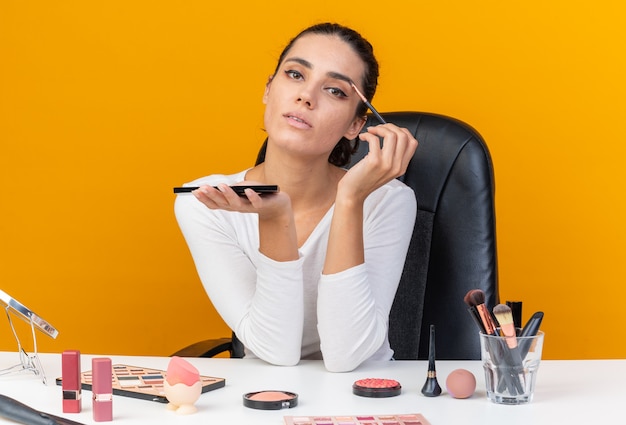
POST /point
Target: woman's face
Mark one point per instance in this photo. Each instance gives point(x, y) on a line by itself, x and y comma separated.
point(310, 104)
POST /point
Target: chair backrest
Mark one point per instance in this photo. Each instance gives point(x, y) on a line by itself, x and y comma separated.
point(453, 246)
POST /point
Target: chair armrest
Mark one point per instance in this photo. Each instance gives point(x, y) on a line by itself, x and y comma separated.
point(206, 348)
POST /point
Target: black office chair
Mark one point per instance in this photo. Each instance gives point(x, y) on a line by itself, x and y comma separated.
point(452, 250)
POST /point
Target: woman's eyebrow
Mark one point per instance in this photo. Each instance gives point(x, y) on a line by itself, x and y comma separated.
point(339, 76)
point(331, 74)
point(305, 63)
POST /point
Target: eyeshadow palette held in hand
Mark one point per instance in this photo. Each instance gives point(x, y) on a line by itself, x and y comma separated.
point(239, 190)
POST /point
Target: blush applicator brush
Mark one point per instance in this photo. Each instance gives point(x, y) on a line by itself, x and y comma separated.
point(476, 298)
point(474, 312)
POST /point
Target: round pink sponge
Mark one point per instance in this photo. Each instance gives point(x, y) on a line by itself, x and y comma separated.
point(180, 370)
point(461, 383)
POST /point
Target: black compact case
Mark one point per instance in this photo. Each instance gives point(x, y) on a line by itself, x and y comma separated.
point(274, 400)
point(376, 388)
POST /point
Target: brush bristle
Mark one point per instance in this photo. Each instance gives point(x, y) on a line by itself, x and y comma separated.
point(358, 92)
point(466, 298)
point(503, 314)
point(475, 297)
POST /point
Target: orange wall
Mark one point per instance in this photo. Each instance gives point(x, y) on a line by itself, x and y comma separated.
point(105, 106)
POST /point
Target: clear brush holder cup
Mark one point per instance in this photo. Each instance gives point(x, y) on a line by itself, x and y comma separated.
point(511, 366)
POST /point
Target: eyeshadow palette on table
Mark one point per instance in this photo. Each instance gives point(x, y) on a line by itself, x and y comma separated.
point(143, 383)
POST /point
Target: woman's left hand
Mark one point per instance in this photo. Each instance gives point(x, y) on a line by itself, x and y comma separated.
point(381, 164)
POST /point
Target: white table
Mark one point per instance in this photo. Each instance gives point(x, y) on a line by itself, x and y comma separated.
point(567, 392)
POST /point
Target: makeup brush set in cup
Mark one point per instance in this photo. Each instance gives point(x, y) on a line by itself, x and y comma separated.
point(510, 353)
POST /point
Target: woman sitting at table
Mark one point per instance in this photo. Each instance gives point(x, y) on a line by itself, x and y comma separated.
point(310, 272)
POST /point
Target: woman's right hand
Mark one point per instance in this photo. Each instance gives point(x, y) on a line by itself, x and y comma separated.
point(277, 231)
point(224, 198)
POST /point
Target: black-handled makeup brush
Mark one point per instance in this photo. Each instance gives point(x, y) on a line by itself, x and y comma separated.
point(476, 298)
point(431, 387)
point(516, 311)
point(531, 328)
point(473, 311)
point(21, 413)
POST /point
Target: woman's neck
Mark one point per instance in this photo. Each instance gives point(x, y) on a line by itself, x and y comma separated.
point(308, 183)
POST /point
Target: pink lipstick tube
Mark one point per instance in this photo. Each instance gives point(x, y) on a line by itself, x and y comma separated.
point(70, 383)
point(102, 388)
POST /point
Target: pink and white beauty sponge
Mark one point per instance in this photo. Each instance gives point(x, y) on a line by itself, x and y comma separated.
point(180, 371)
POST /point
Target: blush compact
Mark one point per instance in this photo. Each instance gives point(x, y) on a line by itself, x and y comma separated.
point(270, 400)
point(376, 387)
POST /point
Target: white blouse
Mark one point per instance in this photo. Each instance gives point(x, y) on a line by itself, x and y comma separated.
point(286, 311)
